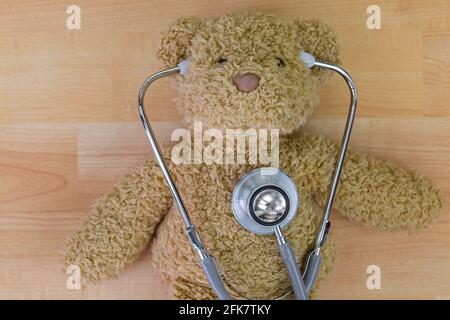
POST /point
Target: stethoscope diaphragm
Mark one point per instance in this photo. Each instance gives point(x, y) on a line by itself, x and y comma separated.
point(264, 198)
point(269, 205)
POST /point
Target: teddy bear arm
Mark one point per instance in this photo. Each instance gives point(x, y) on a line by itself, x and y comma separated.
point(120, 224)
point(383, 195)
point(376, 193)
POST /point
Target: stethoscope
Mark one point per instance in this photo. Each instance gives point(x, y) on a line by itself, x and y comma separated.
point(265, 200)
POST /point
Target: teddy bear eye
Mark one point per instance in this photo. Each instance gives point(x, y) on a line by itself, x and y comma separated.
point(280, 62)
point(222, 60)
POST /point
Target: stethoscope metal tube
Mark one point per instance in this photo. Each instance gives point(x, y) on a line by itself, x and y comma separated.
point(206, 261)
point(190, 228)
point(325, 224)
point(301, 284)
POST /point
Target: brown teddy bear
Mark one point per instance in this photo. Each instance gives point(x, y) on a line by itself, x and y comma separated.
point(244, 72)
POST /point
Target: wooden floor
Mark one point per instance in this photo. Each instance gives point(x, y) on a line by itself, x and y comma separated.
point(69, 129)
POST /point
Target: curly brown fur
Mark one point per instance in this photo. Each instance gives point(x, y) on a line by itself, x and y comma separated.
point(249, 43)
point(120, 225)
point(373, 192)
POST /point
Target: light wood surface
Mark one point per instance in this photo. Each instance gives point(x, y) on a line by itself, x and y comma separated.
point(69, 129)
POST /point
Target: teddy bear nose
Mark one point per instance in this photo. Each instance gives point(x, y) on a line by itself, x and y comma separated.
point(246, 82)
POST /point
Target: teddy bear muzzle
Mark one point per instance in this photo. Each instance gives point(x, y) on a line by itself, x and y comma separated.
point(246, 82)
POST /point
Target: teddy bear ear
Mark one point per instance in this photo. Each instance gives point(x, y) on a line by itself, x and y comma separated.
point(320, 41)
point(176, 40)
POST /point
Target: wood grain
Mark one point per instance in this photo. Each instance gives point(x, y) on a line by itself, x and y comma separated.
point(69, 129)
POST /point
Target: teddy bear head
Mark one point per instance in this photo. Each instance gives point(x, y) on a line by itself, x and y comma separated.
point(243, 70)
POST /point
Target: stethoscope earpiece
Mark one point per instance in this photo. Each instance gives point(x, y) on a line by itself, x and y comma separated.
point(265, 200)
point(307, 59)
point(183, 66)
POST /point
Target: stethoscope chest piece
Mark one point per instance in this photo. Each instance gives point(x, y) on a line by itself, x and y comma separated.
point(264, 199)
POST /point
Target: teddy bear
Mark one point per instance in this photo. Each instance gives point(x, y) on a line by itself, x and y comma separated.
point(244, 72)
